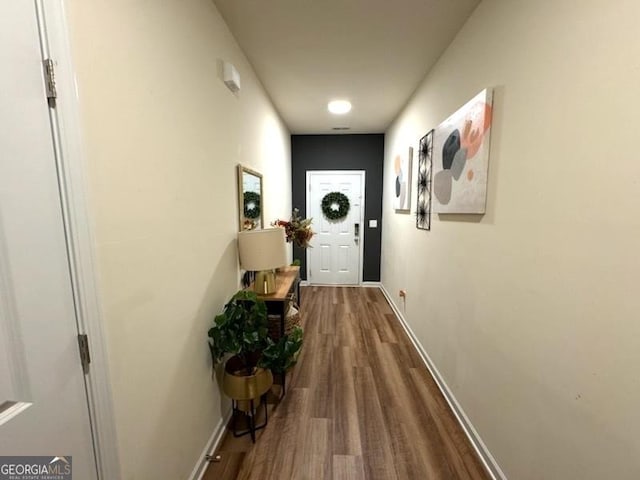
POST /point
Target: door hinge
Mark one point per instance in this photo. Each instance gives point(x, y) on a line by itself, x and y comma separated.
point(50, 82)
point(85, 358)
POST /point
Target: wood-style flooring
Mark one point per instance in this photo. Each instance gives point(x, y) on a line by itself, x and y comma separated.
point(360, 404)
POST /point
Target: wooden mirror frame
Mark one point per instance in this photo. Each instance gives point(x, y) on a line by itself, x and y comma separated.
point(245, 223)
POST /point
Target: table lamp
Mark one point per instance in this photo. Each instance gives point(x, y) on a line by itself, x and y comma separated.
point(262, 251)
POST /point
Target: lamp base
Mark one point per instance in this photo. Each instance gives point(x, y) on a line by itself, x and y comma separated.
point(265, 283)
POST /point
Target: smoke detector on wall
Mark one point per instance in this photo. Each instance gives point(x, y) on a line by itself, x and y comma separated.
point(231, 77)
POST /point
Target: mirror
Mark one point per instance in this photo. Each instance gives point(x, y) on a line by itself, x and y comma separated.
point(249, 199)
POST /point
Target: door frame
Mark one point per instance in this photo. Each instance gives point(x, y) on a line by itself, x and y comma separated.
point(362, 174)
point(71, 158)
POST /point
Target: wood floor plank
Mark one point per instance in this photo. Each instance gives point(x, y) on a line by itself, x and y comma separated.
point(456, 450)
point(346, 428)
point(377, 455)
point(355, 340)
point(348, 467)
point(360, 404)
point(415, 436)
point(315, 459)
point(323, 374)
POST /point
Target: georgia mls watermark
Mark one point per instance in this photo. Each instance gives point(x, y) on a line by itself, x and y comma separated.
point(35, 468)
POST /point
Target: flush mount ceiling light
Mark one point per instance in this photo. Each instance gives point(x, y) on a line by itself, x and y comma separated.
point(339, 107)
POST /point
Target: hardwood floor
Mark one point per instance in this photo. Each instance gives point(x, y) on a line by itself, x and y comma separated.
point(360, 404)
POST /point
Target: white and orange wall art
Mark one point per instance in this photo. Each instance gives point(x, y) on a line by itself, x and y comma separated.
point(402, 181)
point(461, 158)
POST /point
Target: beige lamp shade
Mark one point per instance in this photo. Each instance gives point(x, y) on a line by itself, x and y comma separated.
point(262, 249)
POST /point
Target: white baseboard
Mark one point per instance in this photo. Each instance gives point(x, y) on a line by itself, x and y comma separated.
point(487, 459)
point(210, 448)
point(305, 283)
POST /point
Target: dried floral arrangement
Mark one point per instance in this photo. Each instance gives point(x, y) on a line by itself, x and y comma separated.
point(297, 229)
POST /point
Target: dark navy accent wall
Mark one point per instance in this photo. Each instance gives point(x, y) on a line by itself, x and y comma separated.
point(343, 152)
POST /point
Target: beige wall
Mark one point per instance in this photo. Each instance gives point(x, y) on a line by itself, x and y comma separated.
point(163, 137)
point(530, 312)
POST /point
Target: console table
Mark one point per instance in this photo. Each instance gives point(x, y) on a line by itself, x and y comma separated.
point(287, 291)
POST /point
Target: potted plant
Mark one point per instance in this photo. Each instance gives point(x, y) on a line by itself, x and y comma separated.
point(240, 336)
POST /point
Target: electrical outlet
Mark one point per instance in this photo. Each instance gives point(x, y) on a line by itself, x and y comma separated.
point(403, 294)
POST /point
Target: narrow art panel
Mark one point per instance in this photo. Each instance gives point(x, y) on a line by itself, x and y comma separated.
point(425, 162)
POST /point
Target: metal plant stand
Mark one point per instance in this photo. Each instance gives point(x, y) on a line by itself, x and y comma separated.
point(251, 418)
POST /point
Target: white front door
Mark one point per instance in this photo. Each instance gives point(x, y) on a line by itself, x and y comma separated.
point(336, 256)
point(43, 401)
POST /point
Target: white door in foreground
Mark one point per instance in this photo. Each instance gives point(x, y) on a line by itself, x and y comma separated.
point(43, 401)
point(336, 256)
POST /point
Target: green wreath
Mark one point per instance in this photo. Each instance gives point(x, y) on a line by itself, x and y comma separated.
point(329, 203)
point(251, 205)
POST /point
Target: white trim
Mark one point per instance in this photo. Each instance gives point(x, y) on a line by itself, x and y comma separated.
point(212, 445)
point(14, 363)
point(81, 244)
point(304, 283)
point(13, 411)
point(363, 184)
point(481, 449)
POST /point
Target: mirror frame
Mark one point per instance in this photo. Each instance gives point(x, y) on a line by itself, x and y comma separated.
point(241, 218)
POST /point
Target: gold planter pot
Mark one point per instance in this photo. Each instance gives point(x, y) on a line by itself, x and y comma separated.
point(243, 388)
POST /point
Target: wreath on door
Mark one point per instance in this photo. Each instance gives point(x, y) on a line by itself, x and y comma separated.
point(335, 205)
point(251, 205)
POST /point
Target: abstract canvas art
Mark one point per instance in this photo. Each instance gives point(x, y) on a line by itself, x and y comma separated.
point(402, 181)
point(423, 206)
point(461, 158)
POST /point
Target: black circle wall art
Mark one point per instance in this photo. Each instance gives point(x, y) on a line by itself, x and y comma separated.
point(450, 148)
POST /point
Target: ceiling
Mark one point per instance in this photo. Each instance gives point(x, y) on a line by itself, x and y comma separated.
point(372, 52)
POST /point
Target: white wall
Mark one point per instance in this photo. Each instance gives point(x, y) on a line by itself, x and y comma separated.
point(530, 312)
point(163, 138)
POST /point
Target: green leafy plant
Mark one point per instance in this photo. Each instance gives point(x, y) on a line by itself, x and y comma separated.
point(241, 330)
point(282, 355)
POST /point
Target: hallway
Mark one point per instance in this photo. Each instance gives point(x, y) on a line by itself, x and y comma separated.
point(360, 404)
